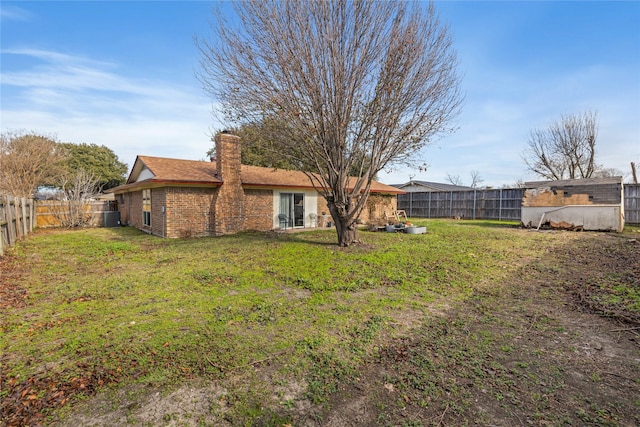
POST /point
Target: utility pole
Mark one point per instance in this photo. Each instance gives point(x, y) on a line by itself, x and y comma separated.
point(633, 172)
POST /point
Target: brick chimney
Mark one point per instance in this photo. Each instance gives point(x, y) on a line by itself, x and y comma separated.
point(229, 202)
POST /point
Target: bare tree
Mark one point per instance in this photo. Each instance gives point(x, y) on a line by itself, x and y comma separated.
point(607, 173)
point(349, 77)
point(27, 160)
point(518, 184)
point(78, 188)
point(564, 150)
point(453, 179)
point(476, 179)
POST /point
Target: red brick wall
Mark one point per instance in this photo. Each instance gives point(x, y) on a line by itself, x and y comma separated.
point(377, 208)
point(124, 207)
point(229, 203)
point(189, 211)
point(133, 209)
point(258, 210)
point(158, 197)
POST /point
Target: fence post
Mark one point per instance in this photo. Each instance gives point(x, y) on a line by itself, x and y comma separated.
point(25, 229)
point(32, 204)
point(16, 219)
point(11, 230)
point(411, 204)
point(451, 204)
point(29, 206)
point(474, 204)
point(2, 205)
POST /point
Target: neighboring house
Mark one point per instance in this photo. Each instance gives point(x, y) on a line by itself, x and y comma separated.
point(185, 198)
point(426, 187)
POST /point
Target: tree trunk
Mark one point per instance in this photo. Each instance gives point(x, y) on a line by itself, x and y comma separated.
point(347, 233)
point(345, 226)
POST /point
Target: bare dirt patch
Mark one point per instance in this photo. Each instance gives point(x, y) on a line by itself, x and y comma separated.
point(192, 404)
point(546, 348)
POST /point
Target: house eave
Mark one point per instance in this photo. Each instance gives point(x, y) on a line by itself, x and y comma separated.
point(158, 183)
point(308, 187)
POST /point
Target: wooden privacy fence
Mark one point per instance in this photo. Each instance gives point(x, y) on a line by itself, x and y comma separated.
point(56, 213)
point(500, 204)
point(632, 203)
point(17, 219)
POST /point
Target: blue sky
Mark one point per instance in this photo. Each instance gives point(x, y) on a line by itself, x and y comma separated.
point(121, 74)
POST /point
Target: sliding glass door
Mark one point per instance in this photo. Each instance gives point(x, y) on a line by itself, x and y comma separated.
point(292, 206)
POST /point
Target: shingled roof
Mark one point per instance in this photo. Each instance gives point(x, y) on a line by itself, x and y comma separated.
point(166, 171)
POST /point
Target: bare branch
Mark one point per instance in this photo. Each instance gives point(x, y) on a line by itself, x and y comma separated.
point(453, 179)
point(27, 161)
point(476, 179)
point(566, 149)
point(348, 77)
point(78, 188)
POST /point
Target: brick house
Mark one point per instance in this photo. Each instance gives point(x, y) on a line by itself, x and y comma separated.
point(186, 198)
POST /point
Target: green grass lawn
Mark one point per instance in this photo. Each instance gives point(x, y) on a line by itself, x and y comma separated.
point(107, 308)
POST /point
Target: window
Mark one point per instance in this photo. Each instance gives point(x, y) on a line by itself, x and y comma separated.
point(146, 208)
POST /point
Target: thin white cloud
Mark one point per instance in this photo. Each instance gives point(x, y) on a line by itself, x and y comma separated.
point(15, 13)
point(73, 73)
point(83, 100)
